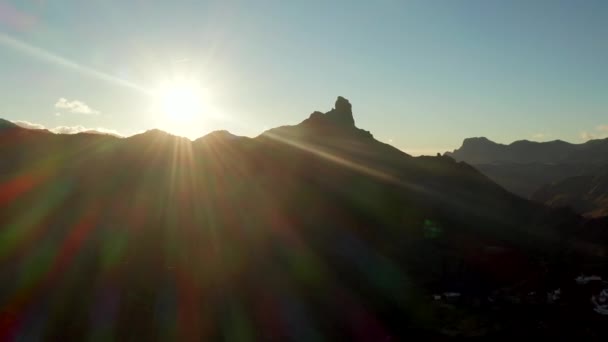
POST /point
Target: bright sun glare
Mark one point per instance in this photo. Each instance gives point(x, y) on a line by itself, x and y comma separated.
point(181, 101)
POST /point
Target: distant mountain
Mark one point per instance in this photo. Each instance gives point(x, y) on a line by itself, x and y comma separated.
point(94, 131)
point(524, 167)
point(218, 137)
point(313, 231)
point(524, 179)
point(587, 193)
point(483, 151)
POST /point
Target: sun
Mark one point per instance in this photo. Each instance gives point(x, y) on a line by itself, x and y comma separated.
point(180, 101)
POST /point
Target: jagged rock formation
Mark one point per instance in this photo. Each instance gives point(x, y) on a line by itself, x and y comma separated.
point(341, 114)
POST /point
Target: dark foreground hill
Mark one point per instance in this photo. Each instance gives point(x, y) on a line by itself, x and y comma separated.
point(309, 232)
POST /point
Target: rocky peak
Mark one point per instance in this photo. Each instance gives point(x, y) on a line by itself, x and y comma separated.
point(477, 141)
point(341, 114)
point(338, 121)
point(342, 105)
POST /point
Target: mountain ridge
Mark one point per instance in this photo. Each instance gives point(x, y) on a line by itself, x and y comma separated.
point(319, 213)
point(481, 150)
point(586, 193)
point(524, 167)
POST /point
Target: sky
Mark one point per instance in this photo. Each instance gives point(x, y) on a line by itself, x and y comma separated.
point(421, 75)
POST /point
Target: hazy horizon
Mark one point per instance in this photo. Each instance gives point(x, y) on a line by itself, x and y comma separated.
point(101, 130)
point(421, 75)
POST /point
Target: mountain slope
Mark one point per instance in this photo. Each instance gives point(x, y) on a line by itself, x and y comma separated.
point(523, 167)
point(587, 193)
point(310, 231)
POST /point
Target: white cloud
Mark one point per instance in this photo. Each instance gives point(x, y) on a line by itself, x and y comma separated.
point(75, 106)
point(600, 132)
point(81, 129)
point(68, 129)
point(585, 136)
point(541, 136)
point(602, 128)
point(28, 125)
point(101, 130)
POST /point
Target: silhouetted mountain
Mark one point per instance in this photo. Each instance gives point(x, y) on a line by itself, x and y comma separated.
point(94, 131)
point(5, 124)
point(317, 225)
point(220, 135)
point(525, 179)
point(523, 167)
point(484, 151)
point(217, 137)
point(587, 194)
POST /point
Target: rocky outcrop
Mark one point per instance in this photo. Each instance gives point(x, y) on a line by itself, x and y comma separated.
point(341, 114)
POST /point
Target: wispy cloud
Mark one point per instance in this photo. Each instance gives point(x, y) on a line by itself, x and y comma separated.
point(600, 132)
point(67, 129)
point(586, 136)
point(541, 136)
point(82, 129)
point(75, 106)
point(28, 125)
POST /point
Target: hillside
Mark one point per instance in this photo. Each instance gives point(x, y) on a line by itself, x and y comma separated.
point(317, 229)
point(525, 168)
point(587, 193)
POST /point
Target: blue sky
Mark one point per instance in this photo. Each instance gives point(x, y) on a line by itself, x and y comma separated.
point(422, 75)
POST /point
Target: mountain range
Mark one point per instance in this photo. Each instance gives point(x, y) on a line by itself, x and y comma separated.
point(586, 193)
point(556, 173)
point(484, 151)
point(312, 231)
